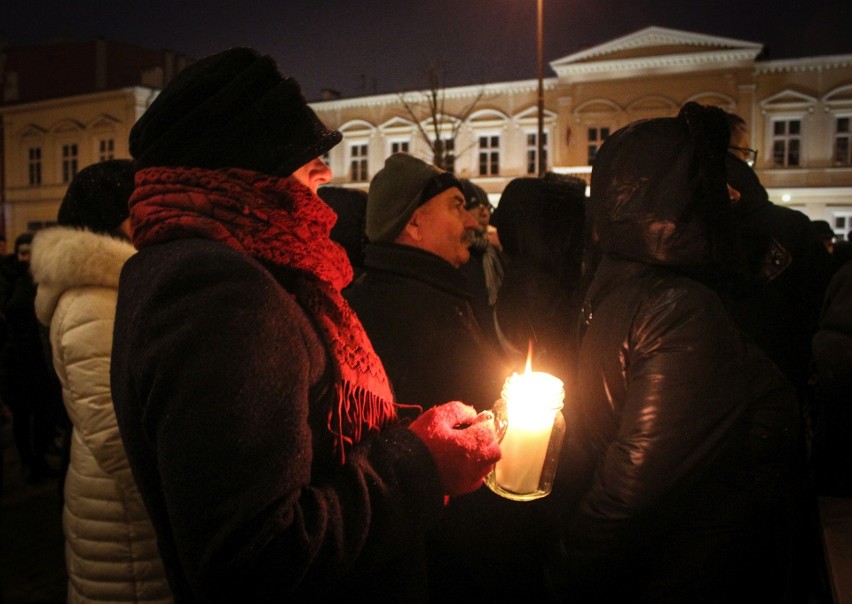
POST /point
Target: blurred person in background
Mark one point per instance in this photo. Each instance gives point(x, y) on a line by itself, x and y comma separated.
point(27, 383)
point(76, 266)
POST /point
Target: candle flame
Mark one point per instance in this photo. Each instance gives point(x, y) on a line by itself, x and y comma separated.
point(528, 368)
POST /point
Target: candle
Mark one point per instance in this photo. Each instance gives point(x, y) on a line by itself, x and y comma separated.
point(532, 401)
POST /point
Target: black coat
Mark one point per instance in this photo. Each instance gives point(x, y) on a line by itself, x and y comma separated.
point(416, 309)
point(832, 347)
point(788, 269)
point(681, 432)
point(222, 388)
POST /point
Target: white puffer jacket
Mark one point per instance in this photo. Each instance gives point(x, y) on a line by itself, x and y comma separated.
point(110, 546)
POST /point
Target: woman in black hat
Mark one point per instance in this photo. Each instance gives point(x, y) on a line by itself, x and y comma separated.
point(258, 420)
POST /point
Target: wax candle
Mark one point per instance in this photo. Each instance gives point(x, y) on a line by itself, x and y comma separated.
point(532, 400)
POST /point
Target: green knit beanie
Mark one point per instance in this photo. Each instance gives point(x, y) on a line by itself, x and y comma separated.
point(400, 187)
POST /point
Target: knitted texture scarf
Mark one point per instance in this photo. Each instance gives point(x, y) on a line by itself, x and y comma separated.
point(282, 222)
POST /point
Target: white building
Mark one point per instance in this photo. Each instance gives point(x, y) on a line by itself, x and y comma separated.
point(799, 112)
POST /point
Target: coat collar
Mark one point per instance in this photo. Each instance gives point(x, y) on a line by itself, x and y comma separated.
point(64, 258)
point(413, 263)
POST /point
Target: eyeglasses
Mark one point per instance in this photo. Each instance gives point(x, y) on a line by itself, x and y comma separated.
point(749, 156)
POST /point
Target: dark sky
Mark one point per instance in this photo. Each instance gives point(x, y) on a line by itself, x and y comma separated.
point(364, 46)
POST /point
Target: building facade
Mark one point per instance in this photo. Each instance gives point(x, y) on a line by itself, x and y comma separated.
point(799, 113)
point(66, 105)
point(48, 142)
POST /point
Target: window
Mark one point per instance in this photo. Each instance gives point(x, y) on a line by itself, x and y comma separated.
point(447, 148)
point(786, 142)
point(358, 163)
point(69, 162)
point(842, 142)
point(532, 151)
point(106, 149)
point(489, 155)
point(596, 138)
point(842, 225)
point(399, 147)
point(34, 164)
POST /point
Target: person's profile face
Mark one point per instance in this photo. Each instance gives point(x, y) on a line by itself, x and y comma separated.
point(313, 174)
point(443, 225)
point(23, 253)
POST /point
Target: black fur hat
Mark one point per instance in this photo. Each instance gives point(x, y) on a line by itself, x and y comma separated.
point(97, 197)
point(231, 109)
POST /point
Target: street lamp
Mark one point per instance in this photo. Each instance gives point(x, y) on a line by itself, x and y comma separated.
point(542, 164)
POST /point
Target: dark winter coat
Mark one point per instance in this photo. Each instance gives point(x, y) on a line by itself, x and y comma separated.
point(222, 388)
point(416, 309)
point(685, 427)
point(788, 269)
point(832, 348)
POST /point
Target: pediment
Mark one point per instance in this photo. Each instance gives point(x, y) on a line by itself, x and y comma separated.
point(104, 122)
point(657, 49)
point(67, 126)
point(839, 97)
point(788, 99)
point(397, 124)
point(530, 115)
point(597, 108)
point(487, 116)
point(653, 106)
point(356, 127)
point(444, 121)
point(32, 131)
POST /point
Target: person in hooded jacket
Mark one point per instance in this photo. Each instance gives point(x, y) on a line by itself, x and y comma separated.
point(541, 222)
point(110, 546)
point(682, 428)
point(257, 418)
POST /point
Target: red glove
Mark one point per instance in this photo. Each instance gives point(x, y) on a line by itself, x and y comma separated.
point(463, 444)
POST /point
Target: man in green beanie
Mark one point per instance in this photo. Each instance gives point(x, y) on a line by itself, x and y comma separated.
point(413, 300)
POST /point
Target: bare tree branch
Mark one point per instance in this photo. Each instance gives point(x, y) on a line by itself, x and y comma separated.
point(432, 107)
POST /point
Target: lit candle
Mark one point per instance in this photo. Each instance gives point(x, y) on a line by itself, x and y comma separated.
point(532, 401)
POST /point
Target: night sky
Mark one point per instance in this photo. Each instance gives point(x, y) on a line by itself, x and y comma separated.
point(361, 47)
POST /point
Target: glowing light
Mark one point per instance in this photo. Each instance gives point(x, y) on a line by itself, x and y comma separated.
point(532, 401)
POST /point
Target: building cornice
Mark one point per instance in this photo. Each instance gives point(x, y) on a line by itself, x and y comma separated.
point(139, 92)
point(804, 64)
point(619, 68)
point(455, 92)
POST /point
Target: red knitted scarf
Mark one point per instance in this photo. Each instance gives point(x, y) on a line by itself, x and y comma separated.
point(279, 221)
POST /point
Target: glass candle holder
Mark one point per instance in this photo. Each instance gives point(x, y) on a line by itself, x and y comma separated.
point(529, 422)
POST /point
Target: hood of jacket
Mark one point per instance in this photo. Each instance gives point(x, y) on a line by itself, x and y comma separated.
point(658, 190)
point(64, 258)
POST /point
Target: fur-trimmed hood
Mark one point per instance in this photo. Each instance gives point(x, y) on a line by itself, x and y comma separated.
point(65, 258)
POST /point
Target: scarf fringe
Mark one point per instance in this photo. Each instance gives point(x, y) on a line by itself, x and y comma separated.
point(349, 422)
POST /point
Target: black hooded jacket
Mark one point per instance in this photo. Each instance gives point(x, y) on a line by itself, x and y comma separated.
point(679, 429)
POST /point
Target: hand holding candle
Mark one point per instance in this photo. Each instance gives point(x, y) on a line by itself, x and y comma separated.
point(462, 443)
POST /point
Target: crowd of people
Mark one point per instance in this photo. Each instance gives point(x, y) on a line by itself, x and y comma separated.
point(271, 388)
